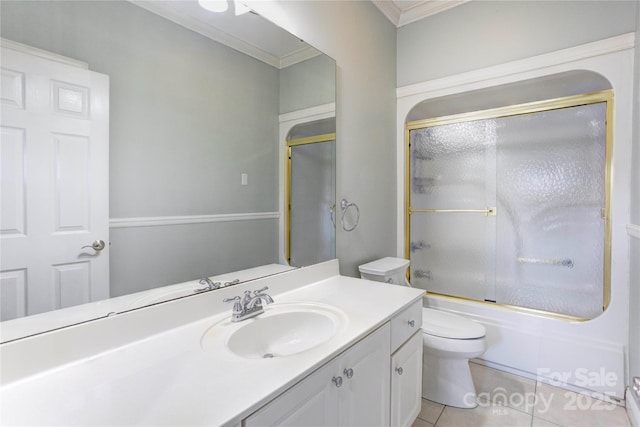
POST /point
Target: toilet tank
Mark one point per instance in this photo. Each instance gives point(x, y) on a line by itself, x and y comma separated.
point(388, 270)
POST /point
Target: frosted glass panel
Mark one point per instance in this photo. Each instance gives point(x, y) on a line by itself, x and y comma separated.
point(448, 165)
point(453, 169)
point(312, 195)
point(449, 254)
point(551, 187)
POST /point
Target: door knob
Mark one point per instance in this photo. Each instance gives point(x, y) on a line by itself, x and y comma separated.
point(97, 246)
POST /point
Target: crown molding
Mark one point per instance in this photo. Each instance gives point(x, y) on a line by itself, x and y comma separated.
point(426, 9)
point(389, 9)
point(400, 17)
point(298, 56)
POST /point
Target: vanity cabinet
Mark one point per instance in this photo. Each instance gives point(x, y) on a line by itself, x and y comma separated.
point(353, 389)
point(406, 382)
point(376, 382)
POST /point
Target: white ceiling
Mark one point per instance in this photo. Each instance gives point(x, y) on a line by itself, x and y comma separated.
point(255, 36)
point(403, 12)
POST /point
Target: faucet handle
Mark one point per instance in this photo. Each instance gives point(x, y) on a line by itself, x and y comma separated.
point(259, 291)
point(237, 307)
point(210, 285)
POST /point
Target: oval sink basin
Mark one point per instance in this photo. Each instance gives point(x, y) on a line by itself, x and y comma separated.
point(282, 330)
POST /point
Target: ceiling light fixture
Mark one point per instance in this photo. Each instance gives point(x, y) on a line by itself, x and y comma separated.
point(214, 5)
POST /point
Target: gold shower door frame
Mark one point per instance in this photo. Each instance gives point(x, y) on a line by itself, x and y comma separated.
point(287, 212)
point(605, 96)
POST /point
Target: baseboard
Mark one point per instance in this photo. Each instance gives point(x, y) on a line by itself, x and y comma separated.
point(633, 408)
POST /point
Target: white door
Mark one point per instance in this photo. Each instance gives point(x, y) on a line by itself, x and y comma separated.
point(54, 157)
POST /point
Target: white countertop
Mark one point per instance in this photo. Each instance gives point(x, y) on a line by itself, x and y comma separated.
point(117, 376)
point(42, 322)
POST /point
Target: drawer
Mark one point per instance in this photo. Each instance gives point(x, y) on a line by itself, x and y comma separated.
point(405, 324)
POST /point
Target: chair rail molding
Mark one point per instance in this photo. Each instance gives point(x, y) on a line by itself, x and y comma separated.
point(189, 219)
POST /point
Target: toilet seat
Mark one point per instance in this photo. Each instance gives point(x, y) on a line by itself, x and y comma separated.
point(454, 349)
point(451, 326)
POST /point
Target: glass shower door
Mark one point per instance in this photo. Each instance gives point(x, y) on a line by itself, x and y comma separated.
point(452, 229)
point(312, 203)
point(551, 199)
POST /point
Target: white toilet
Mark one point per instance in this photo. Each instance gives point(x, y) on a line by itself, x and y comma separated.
point(449, 342)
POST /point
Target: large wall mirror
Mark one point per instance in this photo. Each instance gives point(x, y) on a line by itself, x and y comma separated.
point(195, 166)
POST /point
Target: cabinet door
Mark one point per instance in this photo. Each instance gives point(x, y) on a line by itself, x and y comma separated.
point(364, 396)
point(406, 382)
point(311, 402)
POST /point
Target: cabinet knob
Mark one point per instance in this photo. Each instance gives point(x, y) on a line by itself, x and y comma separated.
point(399, 370)
point(348, 373)
point(337, 381)
point(412, 323)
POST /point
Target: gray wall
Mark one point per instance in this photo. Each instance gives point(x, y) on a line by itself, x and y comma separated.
point(634, 297)
point(308, 84)
point(188, 116)
point(483, 33)
point(362, 41)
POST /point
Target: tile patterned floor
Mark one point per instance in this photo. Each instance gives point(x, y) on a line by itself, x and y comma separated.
point(513, 401)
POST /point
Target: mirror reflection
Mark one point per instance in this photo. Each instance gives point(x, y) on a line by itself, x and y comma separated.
point(311, 189)
point(188, 182)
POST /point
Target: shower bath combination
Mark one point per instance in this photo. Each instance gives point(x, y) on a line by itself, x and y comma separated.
point(510, 205)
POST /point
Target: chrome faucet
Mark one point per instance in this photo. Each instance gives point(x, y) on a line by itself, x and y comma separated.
point(250, 305)
point(233, 282)
point(210, 285)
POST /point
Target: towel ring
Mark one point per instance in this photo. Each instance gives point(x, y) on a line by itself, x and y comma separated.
point(345, 205)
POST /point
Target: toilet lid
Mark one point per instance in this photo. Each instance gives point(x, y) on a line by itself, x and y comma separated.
point(449, 325)
point(388, 265)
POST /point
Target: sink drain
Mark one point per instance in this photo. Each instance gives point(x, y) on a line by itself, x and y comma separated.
point(267, 356)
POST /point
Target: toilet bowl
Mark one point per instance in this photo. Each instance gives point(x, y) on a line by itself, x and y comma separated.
point(449, 341)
